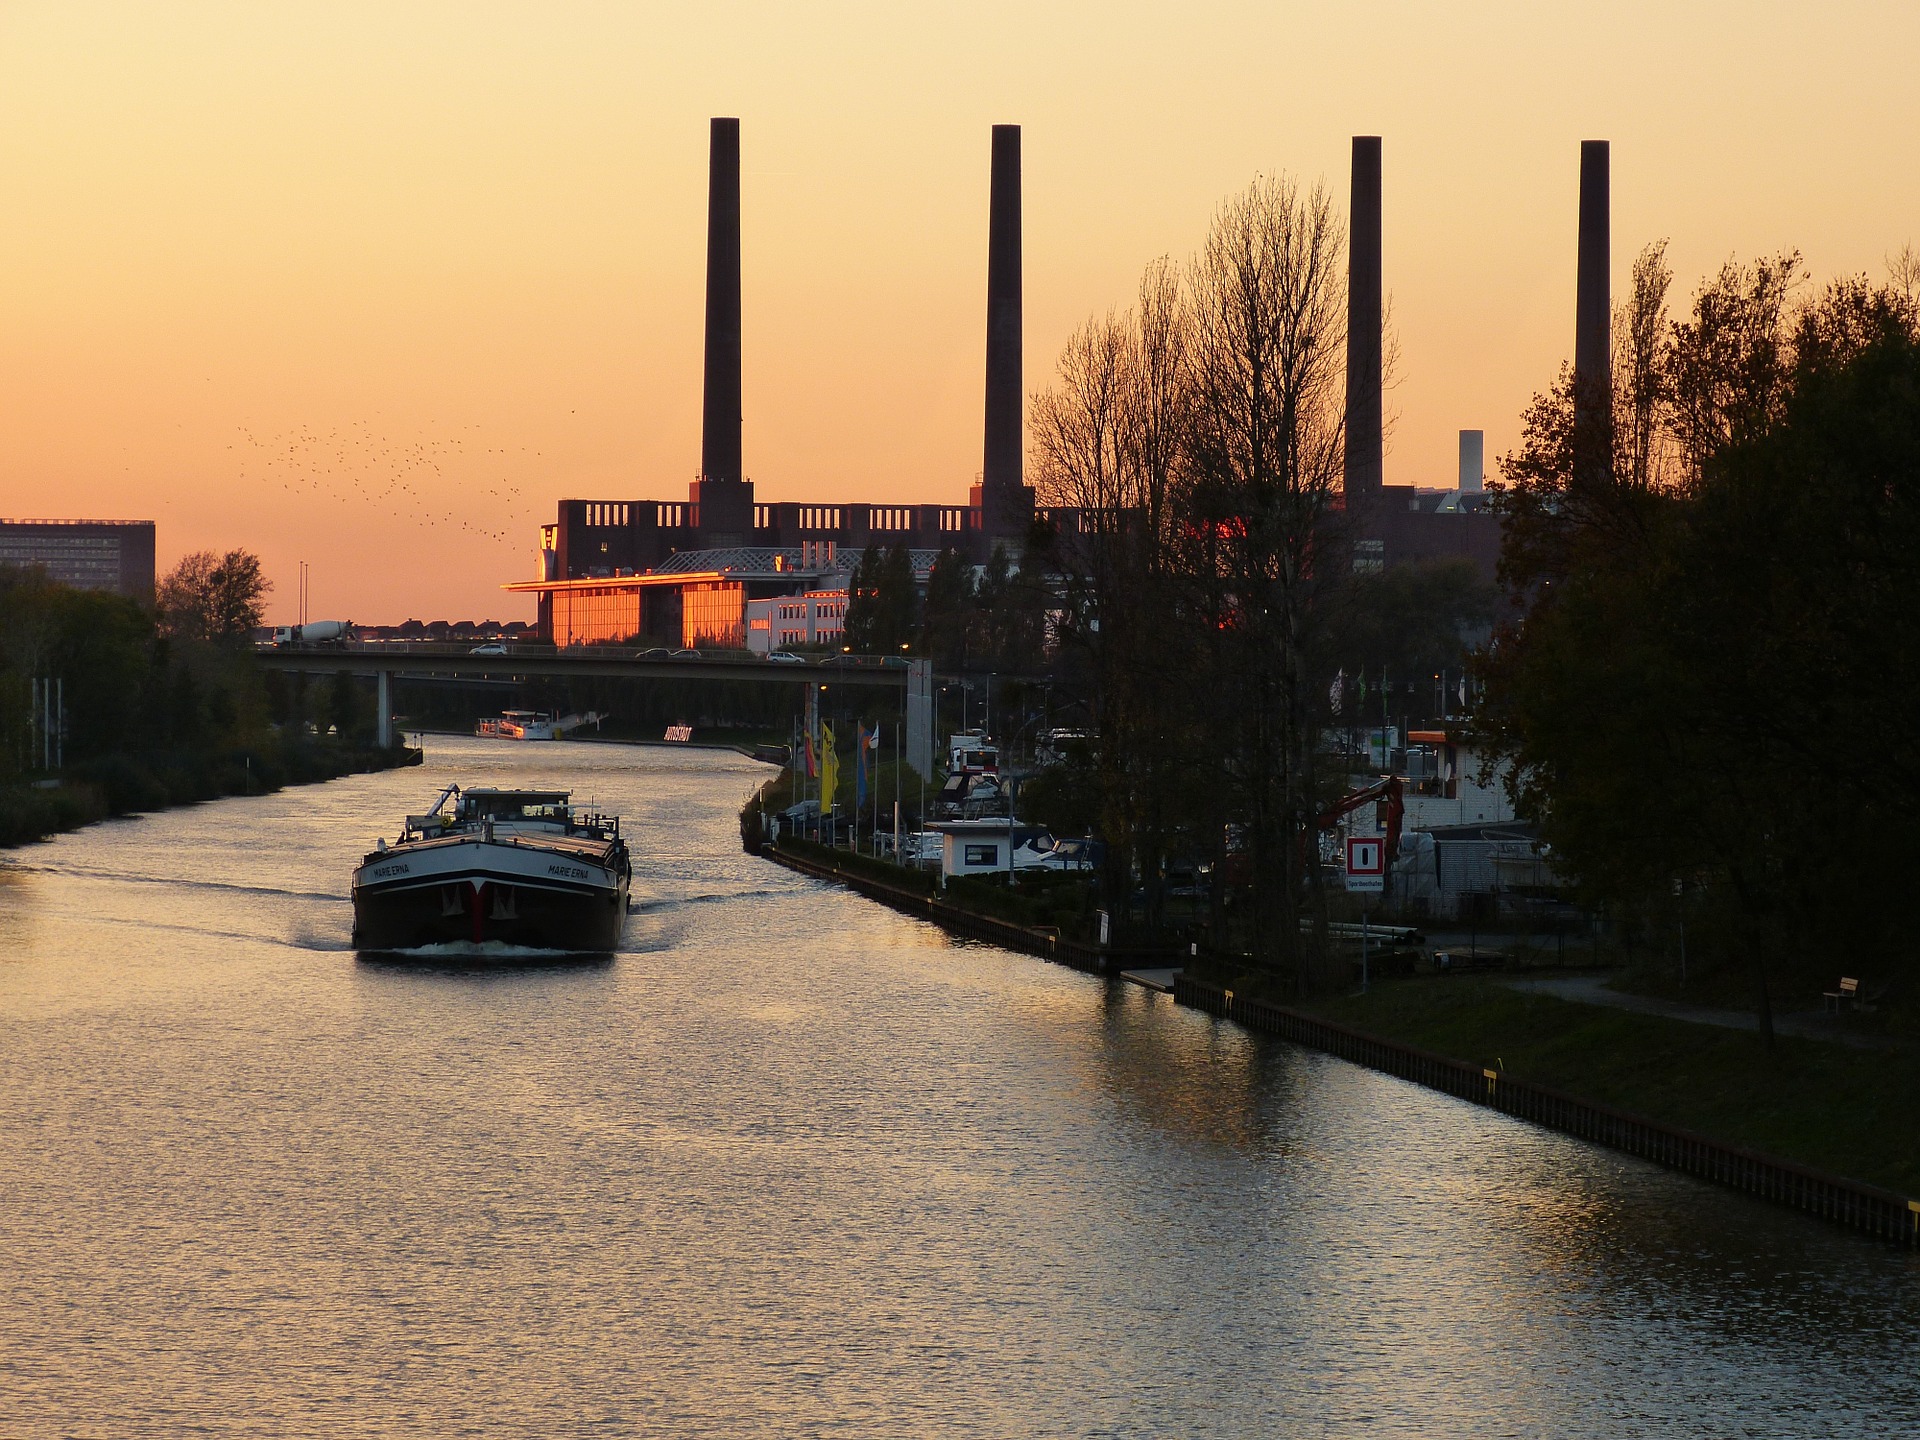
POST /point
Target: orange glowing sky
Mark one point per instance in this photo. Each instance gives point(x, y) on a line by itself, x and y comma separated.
point(374, 285)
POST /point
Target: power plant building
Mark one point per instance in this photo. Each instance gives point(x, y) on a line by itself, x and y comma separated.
point(692, 572)
point(684, 572)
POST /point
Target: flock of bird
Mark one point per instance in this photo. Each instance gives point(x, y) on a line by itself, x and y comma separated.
point(454, 482)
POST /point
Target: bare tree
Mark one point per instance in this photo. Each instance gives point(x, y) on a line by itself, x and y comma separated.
point(1641, 341)
point(1105, 441)
point(1731, 361)
point(1903, 274)
point(1077, 426)
point(1264, 460)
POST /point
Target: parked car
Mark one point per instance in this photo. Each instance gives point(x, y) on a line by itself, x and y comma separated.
point(786, 657)
point(492, 648)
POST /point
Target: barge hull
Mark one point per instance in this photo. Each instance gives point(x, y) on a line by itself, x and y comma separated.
point(533, 917)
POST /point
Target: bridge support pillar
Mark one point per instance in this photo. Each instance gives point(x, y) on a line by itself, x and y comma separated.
point(920, 736)
point(383, 709)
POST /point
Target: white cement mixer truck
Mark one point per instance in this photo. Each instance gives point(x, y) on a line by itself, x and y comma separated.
point(315, 632)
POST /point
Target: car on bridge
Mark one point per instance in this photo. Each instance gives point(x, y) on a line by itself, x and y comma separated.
point(494, 648)
point(785, 657)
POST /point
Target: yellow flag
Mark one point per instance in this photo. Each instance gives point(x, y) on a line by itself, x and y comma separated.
point(829, 768)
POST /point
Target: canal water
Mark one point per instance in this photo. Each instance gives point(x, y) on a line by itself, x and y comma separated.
point(792, 1164)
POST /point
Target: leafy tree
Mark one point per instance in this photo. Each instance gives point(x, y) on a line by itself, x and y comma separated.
point(882, 601)
point(1009, 616)
point(348, 710)
point(947, 616)
point(1704, 662)
point(863, 608)
point(1067, 798)
point(213, 597)
point(898, 600)
point(98, 645)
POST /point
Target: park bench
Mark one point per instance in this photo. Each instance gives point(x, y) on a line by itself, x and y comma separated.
point(1847, 995)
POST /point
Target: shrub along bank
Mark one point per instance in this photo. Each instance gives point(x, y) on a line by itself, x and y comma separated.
point(127, 784)
point(109, 706)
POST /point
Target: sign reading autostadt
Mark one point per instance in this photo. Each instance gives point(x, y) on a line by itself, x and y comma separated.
point(1366, 863)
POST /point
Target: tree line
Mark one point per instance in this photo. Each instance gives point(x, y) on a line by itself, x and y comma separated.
point(1693, 676)
point(155, 703)
point(1705, 686)
point(989, 618)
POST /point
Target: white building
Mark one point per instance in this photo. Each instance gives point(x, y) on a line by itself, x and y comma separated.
point(787, 622)
point(979, 847)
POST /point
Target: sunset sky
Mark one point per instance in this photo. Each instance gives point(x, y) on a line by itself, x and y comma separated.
point(373, 286)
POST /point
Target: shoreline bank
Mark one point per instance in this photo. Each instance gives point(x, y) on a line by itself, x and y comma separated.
point(728, 745)
point(1881, 1213)
point(969, 924)
point(1867, 1209)
point(30, 814)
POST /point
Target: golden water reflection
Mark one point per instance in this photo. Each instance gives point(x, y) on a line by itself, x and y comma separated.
point(793, 1164)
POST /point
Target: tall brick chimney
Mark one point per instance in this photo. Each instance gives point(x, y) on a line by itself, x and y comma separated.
point(1005, 501)
point(1593, 322)
point(1366, 450)
point(722, 498)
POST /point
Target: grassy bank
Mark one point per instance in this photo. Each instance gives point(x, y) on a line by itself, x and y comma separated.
point(124, 785)
point(1837, 1108)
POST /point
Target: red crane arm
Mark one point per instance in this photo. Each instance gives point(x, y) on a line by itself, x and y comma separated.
point(1387, 791)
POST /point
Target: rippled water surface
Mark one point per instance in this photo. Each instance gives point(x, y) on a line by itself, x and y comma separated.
point(791, 1164)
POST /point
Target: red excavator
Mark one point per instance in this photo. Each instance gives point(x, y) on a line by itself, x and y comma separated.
point(1235, 869)
point(1388, 792)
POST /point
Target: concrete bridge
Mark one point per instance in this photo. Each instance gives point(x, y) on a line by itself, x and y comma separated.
point(425, 660)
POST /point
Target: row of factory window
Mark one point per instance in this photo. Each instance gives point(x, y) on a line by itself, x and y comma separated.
point(673, 515)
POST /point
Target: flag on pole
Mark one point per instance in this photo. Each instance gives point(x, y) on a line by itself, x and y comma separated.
point(863, 740)
point(829, 768)
point(813, 770)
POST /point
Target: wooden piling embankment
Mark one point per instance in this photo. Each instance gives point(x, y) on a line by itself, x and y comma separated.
point(1027, 939)
point(1883, 1214)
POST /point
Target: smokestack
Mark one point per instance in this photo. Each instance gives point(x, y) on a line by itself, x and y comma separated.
point(1473, 460)
point(1593, 322)
point(720, 422)
point(1365, 459)
point(1006, 502)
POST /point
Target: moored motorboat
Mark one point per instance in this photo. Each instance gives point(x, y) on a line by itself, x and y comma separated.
point(534, 724)
point(518, 867)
